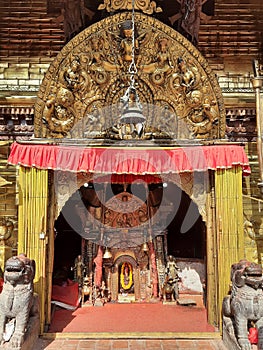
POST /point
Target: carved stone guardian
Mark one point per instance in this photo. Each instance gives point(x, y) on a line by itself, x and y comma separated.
point(19, 312)
point(244, 306)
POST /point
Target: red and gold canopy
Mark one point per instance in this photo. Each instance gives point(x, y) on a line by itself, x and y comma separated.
point(132, 160)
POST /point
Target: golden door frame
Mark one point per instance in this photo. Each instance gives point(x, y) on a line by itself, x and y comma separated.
point(38, 204)
point(80, 92)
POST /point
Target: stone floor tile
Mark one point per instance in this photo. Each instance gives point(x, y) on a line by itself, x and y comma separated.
point(138, 344)
point(153, 344)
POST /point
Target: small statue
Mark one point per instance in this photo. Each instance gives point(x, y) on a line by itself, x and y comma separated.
point(171, 268)
point(162, 62)
point(103, 289)
point(79, 270)
point(170, 285)
point(86, 290)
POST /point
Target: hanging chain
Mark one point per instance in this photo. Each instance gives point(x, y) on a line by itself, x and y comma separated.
point(132, 68)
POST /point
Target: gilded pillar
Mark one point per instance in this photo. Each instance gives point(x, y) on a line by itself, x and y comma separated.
point(229, 225)
point(32, 226)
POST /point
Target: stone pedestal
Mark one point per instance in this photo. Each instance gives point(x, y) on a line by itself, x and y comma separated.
point(32, 333)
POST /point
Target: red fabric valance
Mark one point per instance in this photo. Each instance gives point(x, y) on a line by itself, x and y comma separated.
point(132, 160)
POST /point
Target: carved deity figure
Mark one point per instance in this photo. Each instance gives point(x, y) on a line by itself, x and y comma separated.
point(126, 44)
point(75, 78)
point(58, 114)
point(188, 77)
point(79, 270)
point(72, 75)
point(98, 62)
point(172, 268)
point(202, 115)
point(124, 220)
point(170, 285)
point(162, 62)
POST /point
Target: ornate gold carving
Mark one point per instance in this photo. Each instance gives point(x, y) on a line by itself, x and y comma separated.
point(146, 6)
point(125, 210)
point(6, 230)
point(80, 94)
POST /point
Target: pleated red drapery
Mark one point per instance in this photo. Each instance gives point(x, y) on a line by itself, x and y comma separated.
point(133, 160)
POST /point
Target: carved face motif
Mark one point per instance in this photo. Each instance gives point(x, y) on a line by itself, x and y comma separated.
point(196, 98)
point(65, 97)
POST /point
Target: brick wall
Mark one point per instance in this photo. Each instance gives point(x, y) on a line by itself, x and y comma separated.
point(27, 31)
point(23, 76)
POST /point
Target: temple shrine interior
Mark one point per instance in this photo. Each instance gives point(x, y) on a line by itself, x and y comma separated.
point(78, 236)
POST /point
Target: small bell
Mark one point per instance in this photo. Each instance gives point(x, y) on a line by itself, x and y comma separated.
point(107, 254)
point(145, 247)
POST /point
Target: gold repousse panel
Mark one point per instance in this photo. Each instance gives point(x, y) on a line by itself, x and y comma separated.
point(80, 93)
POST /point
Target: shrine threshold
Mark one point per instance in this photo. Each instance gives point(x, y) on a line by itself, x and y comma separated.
point(125, 226)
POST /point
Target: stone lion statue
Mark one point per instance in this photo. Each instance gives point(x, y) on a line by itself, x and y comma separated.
point(16, 301)
point(244, 305)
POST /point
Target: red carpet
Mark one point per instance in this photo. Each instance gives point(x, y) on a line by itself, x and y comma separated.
point(132, 317)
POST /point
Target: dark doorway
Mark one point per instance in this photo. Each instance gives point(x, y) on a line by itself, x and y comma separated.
point(67, 245)
point(186, 230)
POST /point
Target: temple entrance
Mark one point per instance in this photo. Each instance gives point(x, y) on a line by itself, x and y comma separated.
point(127, 257)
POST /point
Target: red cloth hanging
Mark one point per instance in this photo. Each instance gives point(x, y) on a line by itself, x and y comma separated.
point(135, 161)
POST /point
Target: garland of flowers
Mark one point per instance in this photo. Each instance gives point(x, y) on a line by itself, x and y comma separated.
point(126, 286)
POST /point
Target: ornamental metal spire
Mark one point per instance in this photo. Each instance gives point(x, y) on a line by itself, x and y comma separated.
point(132, 108)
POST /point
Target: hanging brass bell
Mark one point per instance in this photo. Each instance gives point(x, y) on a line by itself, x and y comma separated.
point(107, 254)
point(145, 247)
